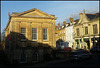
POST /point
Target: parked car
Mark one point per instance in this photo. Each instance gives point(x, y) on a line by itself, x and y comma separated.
point(68, 49)
point(62, 45)
point(80, 54)
point(95, 49)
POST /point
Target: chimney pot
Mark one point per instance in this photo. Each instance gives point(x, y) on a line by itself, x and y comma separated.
point(58, 24)
point(83, 10)
point(71, 19)
point(64, 22)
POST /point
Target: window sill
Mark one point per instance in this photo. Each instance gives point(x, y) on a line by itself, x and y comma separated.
point(45, 40)
point(34, 40)
point(23, 39)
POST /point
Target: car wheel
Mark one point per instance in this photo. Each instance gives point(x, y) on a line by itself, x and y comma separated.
point(80, 59)
point(90, 56)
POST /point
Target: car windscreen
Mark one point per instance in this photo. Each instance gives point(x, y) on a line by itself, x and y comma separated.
point(74, 53)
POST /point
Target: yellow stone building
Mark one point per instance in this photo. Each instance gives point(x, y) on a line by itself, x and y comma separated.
point(87, 31)
point(60, 31)
point(32, 28)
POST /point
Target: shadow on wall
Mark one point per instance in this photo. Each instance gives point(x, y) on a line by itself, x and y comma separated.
point(21, 50)
point(58, 44)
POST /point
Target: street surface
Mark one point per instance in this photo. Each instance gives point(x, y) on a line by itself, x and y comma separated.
point(93, 63)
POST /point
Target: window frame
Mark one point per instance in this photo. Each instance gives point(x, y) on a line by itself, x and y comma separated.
point(95, 31)
point(36, 58)
point(77, 31)
point(20, 57)
point(86, 30)
point(46, 34)
point(35, 33)
point(23, 39)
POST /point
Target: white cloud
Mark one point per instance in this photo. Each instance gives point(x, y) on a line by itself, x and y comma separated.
point(87, 10)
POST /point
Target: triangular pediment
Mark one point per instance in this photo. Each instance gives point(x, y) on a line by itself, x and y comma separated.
point(35, 13)
point(84, 19)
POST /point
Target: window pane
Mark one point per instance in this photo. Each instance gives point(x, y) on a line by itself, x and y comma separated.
point(86, 30)
point(34, 57)
point(77, 30)
point(34, 33)
point(23, 57)
point(44, 34)
point(23, 33)
point(95, 29)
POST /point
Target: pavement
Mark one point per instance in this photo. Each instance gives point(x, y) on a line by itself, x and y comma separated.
point(93, 63)
point(47, 63)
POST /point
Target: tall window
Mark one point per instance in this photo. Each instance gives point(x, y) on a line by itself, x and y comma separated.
point(23, 33)
point(44, 34)
point(77, 30)
point(23, 58)
point(86, 30)
point(95, 29)
point(34, 33)
point(34, 57)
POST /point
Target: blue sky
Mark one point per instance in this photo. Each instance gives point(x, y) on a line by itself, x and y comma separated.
point(61, 9)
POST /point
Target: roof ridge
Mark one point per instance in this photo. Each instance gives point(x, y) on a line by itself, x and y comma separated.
point(92, 14)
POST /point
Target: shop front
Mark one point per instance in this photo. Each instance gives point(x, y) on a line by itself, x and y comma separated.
point(77, 43)
point(87, 43)
point(95, 41)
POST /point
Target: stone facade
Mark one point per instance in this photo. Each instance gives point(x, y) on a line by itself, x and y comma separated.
point(69, 33)
point(33, 18)
point(60, 31)
point(87, 31)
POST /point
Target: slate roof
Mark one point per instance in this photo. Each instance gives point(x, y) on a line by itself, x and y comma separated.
point(77, 20)
point(92, 16)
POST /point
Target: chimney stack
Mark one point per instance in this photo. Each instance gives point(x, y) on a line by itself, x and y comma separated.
point(83, 10)
point(80, 16)
point(58, 24)
point(71, 19)
point(64, 22)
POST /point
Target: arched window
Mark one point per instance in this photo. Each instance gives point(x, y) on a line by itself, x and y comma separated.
point(23, 58)
point(35, 57)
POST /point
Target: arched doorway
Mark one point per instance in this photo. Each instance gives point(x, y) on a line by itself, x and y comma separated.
point(35, 57)
point(23, 57)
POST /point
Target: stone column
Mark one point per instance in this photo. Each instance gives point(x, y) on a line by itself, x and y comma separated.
point(74, 47)
point(29, 31)
point(54, 38)
point(82, 42)
point(40, 33)
point(90, 41)
point(79, 43)
point(50, 34)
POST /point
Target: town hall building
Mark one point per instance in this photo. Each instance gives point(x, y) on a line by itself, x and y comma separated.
point(29, 36)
